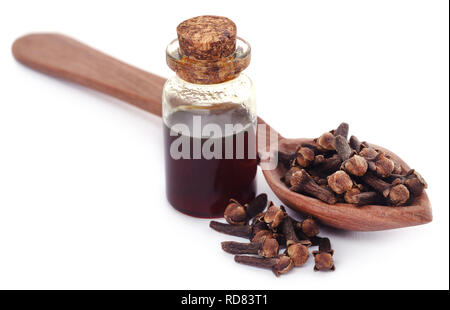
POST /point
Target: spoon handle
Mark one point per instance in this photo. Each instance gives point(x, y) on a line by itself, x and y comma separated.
point(66, 58)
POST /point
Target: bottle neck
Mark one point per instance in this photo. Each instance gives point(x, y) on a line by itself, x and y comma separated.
point(197, 71)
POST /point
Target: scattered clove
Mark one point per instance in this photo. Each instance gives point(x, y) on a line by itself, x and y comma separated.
point(237, 214)
point(309, 227)
point(269, 231)
point(262, 235)
point(298, 253)
point(274, 216)
point(256, 206)
point(233, 230)
point(279, 265)
point(323, 258)
point(297, 249)
point(268, 247)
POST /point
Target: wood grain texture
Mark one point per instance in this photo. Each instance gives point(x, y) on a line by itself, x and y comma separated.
point(66, 58)
point(69, 59)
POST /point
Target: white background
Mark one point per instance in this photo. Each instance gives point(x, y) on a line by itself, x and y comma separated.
point(82, 203)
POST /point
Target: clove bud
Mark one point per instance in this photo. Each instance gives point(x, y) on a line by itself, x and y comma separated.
point(309, 227)
point(235, 213)
point(323, 258)
point(274, 216)
point(340, 182)
point(413, 181)
point(342, 130)
point(343, 148)
point(356, 165)
point(305, 156)
point(327, 142)
point(355, 144)
point(298, 253)
point(383, 165)
point(397, 194)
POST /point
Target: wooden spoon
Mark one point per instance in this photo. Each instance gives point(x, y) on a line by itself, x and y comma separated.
point(63, 57)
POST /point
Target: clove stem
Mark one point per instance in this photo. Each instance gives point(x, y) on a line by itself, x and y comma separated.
point(232, 230)
point(301, 181)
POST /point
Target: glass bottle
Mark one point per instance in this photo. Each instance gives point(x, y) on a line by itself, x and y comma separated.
point(209, 117)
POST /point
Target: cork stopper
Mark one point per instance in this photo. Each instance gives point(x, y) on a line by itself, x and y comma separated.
point(207, 37)
point(208, 51)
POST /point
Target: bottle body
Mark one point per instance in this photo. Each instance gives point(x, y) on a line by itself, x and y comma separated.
point(210, 144)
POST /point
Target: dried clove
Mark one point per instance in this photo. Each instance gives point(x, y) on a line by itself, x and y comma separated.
point(268, 247)
point(235, 213)
point(355, 196)
point(413, 181)
point(397, 194)
point(297, 249)
point(279, 265)
point(342, 130)
point(376, 183)
point(302, 182)
point(383, 165)
point(258, 223)
point(262, 235)
point(324, 256)
point(298, 253)
point(274, 216)
point(286, 158)
point(287, 227)
point(355, 144)
point(368, 152)
point(309, 227)
point(233, 230)
point(356, 165)
point(256, 206)
point(305, 156)
point(340, 182)
point(343, 148)
point(288, 175)
point(326, 142)
point(326, 165)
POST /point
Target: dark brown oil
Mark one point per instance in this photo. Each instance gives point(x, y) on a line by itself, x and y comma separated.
point(202, 187)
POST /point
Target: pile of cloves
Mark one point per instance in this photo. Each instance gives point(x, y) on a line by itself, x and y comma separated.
point(335, 169)
point(270, 229)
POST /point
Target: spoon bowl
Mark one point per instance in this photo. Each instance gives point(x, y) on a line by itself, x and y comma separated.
point(343, 215)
